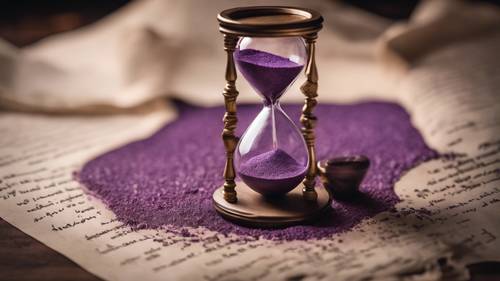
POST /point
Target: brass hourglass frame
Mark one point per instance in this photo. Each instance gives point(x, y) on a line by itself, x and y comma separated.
point(270, 21)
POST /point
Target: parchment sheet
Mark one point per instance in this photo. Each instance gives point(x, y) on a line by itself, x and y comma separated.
point(448, 216)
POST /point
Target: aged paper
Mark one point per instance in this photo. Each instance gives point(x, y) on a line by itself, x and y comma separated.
point(39, 196)
point(448, 216)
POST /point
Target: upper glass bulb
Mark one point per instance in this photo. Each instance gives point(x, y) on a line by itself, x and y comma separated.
point(270, 65)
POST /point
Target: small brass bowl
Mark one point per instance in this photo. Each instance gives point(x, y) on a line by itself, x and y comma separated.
point(343, 175)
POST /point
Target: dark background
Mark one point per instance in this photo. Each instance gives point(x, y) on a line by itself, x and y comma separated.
point(23, 22)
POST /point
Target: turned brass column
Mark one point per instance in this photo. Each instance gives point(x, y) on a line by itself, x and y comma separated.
point(228, 135)
point(307, 119)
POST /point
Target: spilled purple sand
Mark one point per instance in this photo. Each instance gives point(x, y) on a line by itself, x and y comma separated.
point(272, 172)
point(169, 178)
point(269, 74)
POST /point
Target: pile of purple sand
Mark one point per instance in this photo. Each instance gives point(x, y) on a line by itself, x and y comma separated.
point(269, 74)
point(169, 178)
point(272, 172)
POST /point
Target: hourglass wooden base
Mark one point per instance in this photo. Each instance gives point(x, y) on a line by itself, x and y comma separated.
point(255, 210)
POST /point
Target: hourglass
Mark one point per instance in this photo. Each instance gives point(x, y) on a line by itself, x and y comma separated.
point(274, 160)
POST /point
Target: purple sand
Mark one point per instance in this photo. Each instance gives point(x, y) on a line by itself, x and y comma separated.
point(168, 178)
point(271, 173)
point(269, 74)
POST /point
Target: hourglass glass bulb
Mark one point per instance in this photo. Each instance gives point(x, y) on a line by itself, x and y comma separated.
point(269, 74)
point(271, 157)
point(270, 65)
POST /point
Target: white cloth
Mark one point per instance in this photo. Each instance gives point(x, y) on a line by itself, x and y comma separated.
point(165, 48)
point(156, 48)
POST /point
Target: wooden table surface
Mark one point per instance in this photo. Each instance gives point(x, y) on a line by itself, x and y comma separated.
point(24, 258)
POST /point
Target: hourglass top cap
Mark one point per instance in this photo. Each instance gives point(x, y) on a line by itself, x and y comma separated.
point(269, 21)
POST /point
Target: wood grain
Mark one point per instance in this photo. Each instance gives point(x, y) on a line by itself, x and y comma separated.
point(24, 258)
